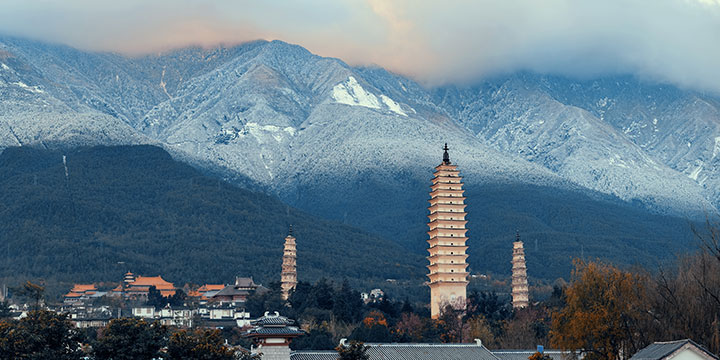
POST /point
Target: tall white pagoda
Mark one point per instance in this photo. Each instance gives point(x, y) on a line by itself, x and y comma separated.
point(448, 267)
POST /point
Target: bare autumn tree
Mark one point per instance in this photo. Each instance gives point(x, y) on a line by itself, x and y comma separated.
point(710, 238)
point(33, 292)
point(451, 323)
point(683, 299)
point(605, 314)
point(686, 296)
point(527, 328)
point(479, 328)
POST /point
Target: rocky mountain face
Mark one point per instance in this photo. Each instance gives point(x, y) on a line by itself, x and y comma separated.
point(359, 144)
point(638, 141)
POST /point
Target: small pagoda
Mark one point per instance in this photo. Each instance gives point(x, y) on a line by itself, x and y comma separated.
point(520, 293)
point(273, 333)
point(288, 276)
point(448, 266)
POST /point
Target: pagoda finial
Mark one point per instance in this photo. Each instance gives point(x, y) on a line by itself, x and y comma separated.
point(517, 235)
point(290, 231)
point(446, 157)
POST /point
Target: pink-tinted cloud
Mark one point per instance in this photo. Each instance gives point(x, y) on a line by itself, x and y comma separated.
point(434, 41)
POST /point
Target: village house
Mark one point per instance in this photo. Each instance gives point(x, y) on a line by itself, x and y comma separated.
point(180, 316)
point(147, 312)
point(90, 317)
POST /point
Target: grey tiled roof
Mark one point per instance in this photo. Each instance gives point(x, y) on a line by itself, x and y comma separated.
point(661, 350)
point(230, 290)
point(291, 330)
point(245, 282)
point(314, 355)
point(392, 351)
point(273, 320)
point(524, 354)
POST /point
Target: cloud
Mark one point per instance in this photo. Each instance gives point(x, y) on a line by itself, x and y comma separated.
point(676, 41)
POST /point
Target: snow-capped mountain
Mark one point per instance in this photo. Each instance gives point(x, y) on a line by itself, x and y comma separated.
point(526, 116)
point(359, 144)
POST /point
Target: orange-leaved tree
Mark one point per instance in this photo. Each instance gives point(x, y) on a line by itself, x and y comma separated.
point(605, 315)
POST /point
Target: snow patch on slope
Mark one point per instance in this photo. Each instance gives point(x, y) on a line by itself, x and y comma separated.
point(392, 105)
point(694, 174)
point(352, 93)
point(258, 131)
point(32, 89)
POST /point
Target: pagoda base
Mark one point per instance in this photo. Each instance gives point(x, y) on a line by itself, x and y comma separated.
point(447, 293)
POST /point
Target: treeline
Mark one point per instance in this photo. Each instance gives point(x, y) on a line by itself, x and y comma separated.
point(330, 312)
point(48, 335)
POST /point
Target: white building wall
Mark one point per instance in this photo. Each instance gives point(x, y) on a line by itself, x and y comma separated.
point(687, 354)
point(274, 352)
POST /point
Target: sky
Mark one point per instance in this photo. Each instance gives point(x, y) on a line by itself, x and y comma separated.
point(433, 41)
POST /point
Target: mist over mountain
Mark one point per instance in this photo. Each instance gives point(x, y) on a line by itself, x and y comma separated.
point(603, 167)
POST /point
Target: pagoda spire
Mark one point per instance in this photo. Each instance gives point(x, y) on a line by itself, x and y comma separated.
point(447, 249)
point(446, 156)
point(288, 276)
point(520, 293)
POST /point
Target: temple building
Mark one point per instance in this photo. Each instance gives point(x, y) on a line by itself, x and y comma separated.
point(204, 292)
point(80, 292)
point(273, 334)
point(238, 293)
point(139, 286)
point(448, 266)
point(288, 276)
point(520, 294)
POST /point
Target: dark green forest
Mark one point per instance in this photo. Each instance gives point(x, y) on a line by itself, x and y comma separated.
point(133, 208)
point(557, 225)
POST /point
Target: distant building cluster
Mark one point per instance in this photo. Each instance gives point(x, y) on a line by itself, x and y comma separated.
point(209, 305)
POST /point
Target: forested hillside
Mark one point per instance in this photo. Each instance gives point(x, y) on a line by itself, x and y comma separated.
point(114, 209)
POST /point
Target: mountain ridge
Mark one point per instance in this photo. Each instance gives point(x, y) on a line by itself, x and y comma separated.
point(336, 140)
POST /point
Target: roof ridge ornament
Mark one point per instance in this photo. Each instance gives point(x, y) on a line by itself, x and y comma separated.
point(446, 156)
